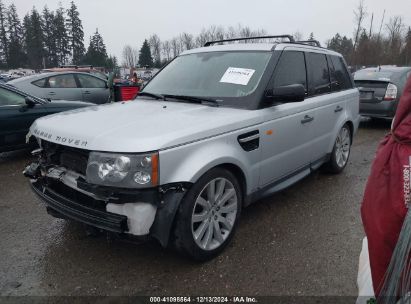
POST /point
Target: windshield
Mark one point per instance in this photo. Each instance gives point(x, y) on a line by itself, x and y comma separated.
point(214, 75)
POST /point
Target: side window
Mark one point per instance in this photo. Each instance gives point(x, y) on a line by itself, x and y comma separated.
point(87, 81)
point(41, 83)
point(62, 81)
point(318, 74)
point(340, 79)
point(9, 98)
point(291, 69)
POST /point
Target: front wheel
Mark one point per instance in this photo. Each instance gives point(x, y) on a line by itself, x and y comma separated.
point(341, 151)
point(208, 215)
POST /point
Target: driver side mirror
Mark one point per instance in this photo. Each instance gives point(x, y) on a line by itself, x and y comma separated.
point(30, 103)
point(288, 93)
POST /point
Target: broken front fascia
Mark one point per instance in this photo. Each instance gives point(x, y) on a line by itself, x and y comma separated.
point(145, 211)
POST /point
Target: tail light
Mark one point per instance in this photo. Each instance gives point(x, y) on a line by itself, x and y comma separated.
point(391, 93)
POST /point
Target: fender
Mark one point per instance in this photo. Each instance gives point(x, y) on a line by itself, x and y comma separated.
point(189, 162)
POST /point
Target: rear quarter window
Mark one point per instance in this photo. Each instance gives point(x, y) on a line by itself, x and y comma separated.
point(340, 77)
point(41, 83)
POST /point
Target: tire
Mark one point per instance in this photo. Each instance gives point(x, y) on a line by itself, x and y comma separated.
point(341, 151)
point(202, 228)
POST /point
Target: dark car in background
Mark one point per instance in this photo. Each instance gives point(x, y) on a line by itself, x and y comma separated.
point(380, 90)
point(19, 110)
point(65, 86)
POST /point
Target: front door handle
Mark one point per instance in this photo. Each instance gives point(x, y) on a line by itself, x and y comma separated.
point(338, 109)
point(87, 92)
point(52, 93)
point(307, 119)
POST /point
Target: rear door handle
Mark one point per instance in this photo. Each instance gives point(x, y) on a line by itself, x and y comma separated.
point(52, 93)
point(338, 109)
point(307, 119)
point(87, 92)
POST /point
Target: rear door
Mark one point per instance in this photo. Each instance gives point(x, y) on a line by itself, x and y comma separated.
point(16, 119)
point(93, 89)
point(329, 73)
point(287, 134)
point(63, 87)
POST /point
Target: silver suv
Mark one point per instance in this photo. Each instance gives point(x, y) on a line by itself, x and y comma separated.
point(217, 129)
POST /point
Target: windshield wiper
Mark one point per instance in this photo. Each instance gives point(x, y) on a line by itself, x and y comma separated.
point(202, 100)
point(156, 96)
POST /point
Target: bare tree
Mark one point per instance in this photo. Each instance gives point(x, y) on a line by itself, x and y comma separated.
point(202, 38)
point(175, 46)
point(298, 36)
point(395, 29)
point(187, 41)
point(155, 47)
point(359, 16)
point(130, 56)
point(166, 48)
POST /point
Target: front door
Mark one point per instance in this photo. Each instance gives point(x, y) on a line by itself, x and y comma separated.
point(287, 133)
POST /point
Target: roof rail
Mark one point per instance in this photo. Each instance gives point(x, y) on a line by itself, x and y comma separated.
point(68, 66)
point(289, 37)
point(316, 42)
point(86, 66)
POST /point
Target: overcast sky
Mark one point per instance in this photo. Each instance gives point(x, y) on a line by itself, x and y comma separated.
point(131, 21)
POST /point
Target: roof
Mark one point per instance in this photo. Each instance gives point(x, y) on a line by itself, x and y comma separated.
point(44, 75)
point(258, 47)
point(390, 69)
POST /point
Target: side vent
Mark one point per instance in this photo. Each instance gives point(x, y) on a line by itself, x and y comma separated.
point(250, 141)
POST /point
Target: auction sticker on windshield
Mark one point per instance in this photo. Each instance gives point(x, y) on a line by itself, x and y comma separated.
point(237, 76)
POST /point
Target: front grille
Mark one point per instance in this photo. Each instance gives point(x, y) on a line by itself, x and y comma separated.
point(73, 159)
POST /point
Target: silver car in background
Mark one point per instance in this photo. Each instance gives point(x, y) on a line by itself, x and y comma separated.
point(65, 86)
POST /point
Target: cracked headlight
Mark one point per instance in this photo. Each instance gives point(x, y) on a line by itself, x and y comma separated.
point(123, 170)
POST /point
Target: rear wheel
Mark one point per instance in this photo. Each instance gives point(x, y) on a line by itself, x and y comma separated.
point(208, 215)
point(341, 151)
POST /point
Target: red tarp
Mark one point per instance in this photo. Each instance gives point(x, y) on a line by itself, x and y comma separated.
point(388, 191)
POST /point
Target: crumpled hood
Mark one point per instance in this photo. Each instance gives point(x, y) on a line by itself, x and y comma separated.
point(140, 125)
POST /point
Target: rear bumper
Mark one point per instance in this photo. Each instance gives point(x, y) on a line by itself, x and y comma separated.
point(382, 109)
point(78, 212)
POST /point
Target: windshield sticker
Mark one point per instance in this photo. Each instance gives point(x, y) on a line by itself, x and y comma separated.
point(237, 76)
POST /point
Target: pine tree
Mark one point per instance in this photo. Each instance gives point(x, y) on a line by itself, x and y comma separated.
point(311, 36)
point(112, 63)
point(33, 39)
point(75, 33)
point(96, 53)
point(61, 37)
point(4, 41)
point(49, 38)
point(145, 59)
point(16, 56)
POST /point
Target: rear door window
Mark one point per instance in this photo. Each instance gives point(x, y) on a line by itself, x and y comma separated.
point(340, 79)
point(318, 74)
point(64, 81)
point(87, 81)
point(291, 70)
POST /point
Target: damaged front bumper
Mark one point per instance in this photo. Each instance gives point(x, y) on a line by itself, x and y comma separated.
point(142, 213)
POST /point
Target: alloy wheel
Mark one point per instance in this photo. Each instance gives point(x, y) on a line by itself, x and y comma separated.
point(214, 214)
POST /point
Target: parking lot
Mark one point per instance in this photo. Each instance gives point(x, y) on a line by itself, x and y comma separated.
point(303, 241)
